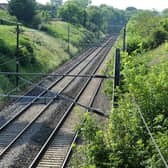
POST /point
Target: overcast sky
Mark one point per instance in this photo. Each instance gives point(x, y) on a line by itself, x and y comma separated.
point(122, 4)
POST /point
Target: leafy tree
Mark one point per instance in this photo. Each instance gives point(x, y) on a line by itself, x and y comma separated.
point(130, 8)
point(146, 30)
point(71, 12)
point(164, 23)
point(82, 3)
point(165, 13)
point(130, 11)
point(44, 11)
point(112, 19)
point(55, 4)
point(94, 18)
point(23, 10)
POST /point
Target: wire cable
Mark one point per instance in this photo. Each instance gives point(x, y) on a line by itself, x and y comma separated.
point(7, 62)
point(66, 98)
point(2, 57)
point(14, 59)
point(150, 133)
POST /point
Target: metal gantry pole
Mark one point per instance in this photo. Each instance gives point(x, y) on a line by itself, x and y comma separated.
point(17, 54)
point(68, 37)
point(124, 38)
point(116, 83)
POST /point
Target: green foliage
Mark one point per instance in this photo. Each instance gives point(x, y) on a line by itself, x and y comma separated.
point(39, 51)
point(82, 3)
point(94, 153)
point(165, 12)
point(5, 17)
point(78, 35)
point(105, 18)
point(5, 49)
point(126, 142)
point(151, 33)
point(71, 12)
point(164, 23)
point(23, 10)
point(94, 18)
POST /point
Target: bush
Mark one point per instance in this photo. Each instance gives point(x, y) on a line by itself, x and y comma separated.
point(5, 49)
point(36, 21)
point(159, 37)
point(23, 10)
point(27, 53)
point(6, 18)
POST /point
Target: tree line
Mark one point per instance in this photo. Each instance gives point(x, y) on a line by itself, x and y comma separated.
point(78, 12)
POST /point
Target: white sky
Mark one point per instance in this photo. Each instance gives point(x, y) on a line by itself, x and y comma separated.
point(122, 4)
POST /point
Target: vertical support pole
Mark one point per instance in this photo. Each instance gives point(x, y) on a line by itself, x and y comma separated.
point(68, 38)
point(17, 54)
point(116, 76)
point(85, 18)
point(124, 39)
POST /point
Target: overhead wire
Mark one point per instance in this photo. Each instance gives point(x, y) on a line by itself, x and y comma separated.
point(66, 98)
point(2, 57)
point(150, 133)
point(14, 59)
point(7, 62)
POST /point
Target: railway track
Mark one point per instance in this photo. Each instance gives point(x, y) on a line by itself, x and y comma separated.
point(13, 130)
point(65, 161)
point(57, 149)
point(55, 152)
point(47, 82)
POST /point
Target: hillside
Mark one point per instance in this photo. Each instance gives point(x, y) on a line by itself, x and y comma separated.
point(46, 47)
point(156, 56)
point(40, 51)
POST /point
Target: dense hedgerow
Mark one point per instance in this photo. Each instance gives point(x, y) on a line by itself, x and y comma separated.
point(125, 142)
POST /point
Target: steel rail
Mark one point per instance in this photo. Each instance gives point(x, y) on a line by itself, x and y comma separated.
point(39, 114)
point(90, 51)
point(41, 94)
point(47, 143)
point(87, 52)
point(75, 138)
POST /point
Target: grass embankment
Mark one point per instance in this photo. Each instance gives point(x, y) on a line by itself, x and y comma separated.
point(40, 51)
point(4, 15)
point(126, 142)
point(79, 36)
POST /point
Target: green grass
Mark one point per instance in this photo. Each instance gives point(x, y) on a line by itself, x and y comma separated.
point(41, 51)
point(144, 77)
point(49, 52)
point(4, 15)
point(155, 56)
point(78, 35)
